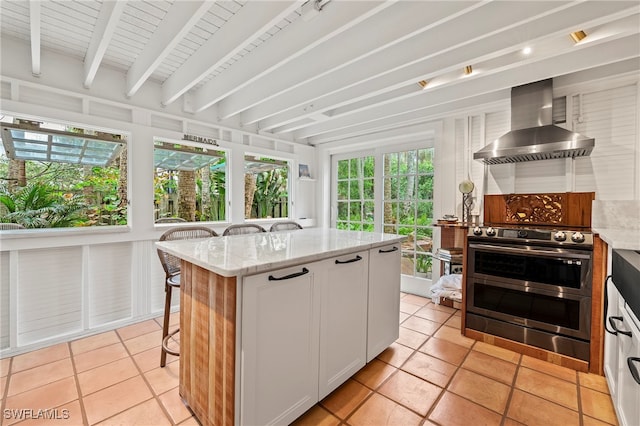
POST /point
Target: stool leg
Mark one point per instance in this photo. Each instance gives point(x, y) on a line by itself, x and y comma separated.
point(165, 325)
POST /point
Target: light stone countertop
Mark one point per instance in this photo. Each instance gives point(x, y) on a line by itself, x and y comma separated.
point(617, 222)
point(249, 254)
point(626, 239)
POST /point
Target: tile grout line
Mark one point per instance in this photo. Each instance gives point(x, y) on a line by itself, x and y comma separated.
point(146, 382)
point(399, 368)
point(140, 373)
point(444, 389)
point(579, 396)
point(512, 389)
point(5, 393)
point(83, 411)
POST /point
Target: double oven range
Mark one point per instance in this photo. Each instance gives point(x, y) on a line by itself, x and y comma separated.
point(532, 286)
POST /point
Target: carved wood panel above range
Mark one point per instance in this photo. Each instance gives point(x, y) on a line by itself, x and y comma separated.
point(565, 209)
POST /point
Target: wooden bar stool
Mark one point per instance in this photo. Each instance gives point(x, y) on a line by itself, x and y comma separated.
point(171, 266)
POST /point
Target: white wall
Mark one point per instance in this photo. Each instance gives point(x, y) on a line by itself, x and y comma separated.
point(606, 110)
point(87, 281)
point(56, 285)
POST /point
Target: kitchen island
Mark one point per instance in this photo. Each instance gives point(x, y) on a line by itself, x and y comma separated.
point(271, 323)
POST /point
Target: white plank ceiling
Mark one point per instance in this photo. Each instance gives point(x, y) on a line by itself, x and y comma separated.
point(327, 70)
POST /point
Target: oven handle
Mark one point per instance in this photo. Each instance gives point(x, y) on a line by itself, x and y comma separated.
point(512, 249)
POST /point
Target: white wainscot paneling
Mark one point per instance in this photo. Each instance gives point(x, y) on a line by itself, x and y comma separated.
point(4, 300)
point(110, 286)
point(541, 176)
point(610, 117)
point(49, 293)
point(500, 177)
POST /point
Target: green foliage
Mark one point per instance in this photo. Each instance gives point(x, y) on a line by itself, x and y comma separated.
point(42, 206)
point(423, 264)
point(165, 184)
point(271, 189)
point(63, 195)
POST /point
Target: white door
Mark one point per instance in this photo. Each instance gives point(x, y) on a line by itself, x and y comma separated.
point(343, 319)
point(384, 298)
point(279, 346)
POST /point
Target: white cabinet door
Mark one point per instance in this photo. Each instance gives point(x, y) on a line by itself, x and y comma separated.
point(280, 322)
point(384, 298)
point(611, 340)
point(343, 319)
point(628, 397)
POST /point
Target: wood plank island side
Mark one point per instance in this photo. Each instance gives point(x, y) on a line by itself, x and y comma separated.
point(208, 344)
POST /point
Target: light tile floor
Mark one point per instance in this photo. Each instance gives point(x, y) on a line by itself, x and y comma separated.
point(430, 375)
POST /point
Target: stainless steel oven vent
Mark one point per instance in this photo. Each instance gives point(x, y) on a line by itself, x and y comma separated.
point(533, 135)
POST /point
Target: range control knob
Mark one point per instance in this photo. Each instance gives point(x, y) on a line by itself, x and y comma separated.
point(559, 236)
point(577, 237)
point(490, 232)
point(522, 233)
point(477, 231)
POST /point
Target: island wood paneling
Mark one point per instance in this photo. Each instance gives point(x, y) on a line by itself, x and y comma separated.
point(208, 344)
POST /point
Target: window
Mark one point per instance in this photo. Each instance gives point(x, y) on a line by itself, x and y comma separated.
point(408, 206)
point(55, 176)
point(189, 183)
point(266, 187)
point(355, 194)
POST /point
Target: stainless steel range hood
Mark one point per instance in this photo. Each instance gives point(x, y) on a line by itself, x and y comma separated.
point(533, 135)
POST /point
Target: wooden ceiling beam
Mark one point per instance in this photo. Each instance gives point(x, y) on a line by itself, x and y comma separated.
point(250, 22)
point(35, 11)
point(105, 27)
point(300, 37)
point(178, 22)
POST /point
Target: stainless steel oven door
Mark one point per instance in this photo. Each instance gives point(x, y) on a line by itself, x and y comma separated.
point(560, 270)
point(552, 311)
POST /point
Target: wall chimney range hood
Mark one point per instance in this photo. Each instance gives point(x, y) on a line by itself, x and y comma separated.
point(533, 135)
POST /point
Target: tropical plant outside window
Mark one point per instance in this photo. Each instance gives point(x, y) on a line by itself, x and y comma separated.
point(189, 182)
point(356, 210)
point(55, 176)
point(266, 187)
point(408, 206)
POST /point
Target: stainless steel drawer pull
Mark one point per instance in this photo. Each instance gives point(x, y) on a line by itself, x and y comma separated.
point(288, 277)
point(615, 329)
point(355, 259)
point(391, 250)
point(633, 368)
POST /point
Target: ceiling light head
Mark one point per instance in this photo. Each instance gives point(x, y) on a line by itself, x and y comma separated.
point(526, 51)
point(423, 83)
point(468, 70)
point(578, 36)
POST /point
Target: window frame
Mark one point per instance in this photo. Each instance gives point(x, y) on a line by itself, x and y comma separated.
point(289, 187)
point(55, 127)
point(227, 155)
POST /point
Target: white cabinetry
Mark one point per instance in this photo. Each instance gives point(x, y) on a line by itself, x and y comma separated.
point(628, 394)
point(611, 340)
point(343, 319)
point(622, 359)
point(279, 345)
point(307, 329)
point(384, 299)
